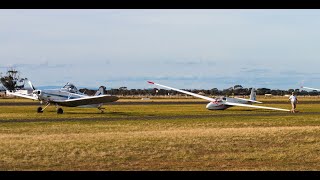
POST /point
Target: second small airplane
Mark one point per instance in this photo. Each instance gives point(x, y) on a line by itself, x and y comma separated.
point(224, 102)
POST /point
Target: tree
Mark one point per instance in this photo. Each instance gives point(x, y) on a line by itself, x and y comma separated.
point(263, 91)
point(290, 91)
point(227, 92)
point(12, 80)
point(123, 91)
point(214, 91)
point(237, 87)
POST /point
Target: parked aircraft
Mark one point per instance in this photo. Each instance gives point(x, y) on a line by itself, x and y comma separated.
point(223, 103)
point(68, 96)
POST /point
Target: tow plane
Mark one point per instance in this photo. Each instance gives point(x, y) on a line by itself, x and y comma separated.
point(68, 96)
point(223, 103)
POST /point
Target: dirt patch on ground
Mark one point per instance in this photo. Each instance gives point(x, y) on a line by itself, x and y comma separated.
point(150, 103)
point(157, 117)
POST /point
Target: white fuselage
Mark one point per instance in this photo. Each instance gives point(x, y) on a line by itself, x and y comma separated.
point(219, 103)
point(50, 95)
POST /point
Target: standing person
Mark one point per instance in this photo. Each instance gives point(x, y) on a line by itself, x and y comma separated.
point(294, 100)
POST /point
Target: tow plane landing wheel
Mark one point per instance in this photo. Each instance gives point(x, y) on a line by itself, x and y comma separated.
point(101, 109)
point(59, 111)
point(39, 110)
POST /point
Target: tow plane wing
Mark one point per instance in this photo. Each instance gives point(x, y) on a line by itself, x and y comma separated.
point(22, 95)
point(86, 100)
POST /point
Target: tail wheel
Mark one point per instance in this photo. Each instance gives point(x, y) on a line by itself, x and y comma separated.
point(39, 110)
point(60, 111)
point(101, 109)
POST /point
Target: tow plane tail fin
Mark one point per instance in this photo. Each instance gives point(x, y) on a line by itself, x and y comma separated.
point(100, 91)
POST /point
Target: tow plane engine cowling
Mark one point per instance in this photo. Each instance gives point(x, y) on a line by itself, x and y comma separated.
point(37, 93)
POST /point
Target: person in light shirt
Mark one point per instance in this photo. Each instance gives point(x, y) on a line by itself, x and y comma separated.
point(294, 100)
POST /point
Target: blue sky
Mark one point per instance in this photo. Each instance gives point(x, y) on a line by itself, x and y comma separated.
point(190, 49)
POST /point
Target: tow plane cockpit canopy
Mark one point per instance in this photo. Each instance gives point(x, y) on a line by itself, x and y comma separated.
point(70, 88)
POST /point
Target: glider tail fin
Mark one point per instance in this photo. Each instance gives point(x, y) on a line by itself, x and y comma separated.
point(253, 95)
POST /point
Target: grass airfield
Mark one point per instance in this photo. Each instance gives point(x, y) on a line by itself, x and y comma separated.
point(164, 136)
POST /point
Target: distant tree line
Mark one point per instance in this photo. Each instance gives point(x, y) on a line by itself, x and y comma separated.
point(239, 91)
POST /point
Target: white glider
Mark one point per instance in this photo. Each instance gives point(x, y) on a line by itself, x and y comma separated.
point(222, 103)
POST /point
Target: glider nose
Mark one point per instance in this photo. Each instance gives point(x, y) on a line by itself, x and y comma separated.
point(209, 105)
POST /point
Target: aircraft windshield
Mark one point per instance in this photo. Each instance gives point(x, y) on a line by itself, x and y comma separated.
point(70, 87)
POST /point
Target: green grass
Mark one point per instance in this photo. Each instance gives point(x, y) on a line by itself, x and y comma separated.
point(160, 137)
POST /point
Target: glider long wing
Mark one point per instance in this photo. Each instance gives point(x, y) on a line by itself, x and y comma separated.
point(310, 88)
point(185, 92)
point(86, 100)
point(249, 100)
point(253, 106)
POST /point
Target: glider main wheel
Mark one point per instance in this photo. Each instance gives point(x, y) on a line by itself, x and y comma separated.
point(60, 111)
point(39, 110)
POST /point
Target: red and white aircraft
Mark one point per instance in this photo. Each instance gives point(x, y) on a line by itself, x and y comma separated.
point(223, 103)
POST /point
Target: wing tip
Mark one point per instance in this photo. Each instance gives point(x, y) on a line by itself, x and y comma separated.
point(150, 82)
